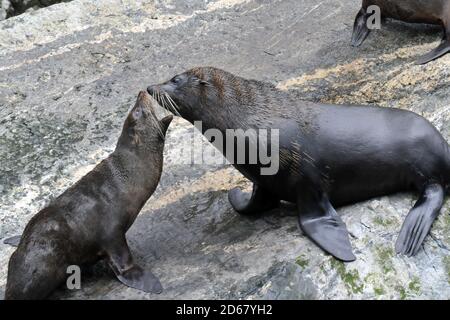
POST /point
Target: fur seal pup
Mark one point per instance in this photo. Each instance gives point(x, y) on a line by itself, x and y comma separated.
point(329, 155)
point(417, 11)
point(89, 220)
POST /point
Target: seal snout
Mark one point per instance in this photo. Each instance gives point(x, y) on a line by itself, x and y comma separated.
point(142, 95)
point(152, 89)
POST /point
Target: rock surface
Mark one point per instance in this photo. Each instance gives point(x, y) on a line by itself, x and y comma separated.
point(70, 72)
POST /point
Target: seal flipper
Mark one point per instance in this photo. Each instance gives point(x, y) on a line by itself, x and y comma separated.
point(258, 201)
point(419, 220)
point(13, 241)
point(128, 272)
point(442, 49)
point(360, 30)
point(319, 220)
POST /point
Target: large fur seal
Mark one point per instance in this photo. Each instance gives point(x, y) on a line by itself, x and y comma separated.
point(329, 155)
point(89, 220)
point(418, 11)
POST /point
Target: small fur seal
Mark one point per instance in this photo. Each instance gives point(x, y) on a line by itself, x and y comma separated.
point(329, 155)
point(89, 220)
point(416, 11)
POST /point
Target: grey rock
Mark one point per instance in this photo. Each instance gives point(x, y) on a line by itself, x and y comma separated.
point(70, 72)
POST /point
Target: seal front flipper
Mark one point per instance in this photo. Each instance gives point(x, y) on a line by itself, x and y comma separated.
point(256, 202)
point(13, 241)
point(319, 220)
point(360, 30)
point(128, 272)
point(419, 220)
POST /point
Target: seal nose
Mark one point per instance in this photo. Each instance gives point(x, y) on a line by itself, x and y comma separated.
point(151, 89)
point(142, 97)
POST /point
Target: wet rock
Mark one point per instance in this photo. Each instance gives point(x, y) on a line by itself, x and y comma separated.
point(69, 73)
point(284, 280)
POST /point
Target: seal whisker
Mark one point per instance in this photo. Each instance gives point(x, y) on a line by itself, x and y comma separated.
point(157, 97)
point(160, 130)
point(174, 105)
point(158, 94)
point(154, 96)
point(157, 124)
point(164, 103)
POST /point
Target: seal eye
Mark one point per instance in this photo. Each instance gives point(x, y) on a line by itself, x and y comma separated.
point(175, 80)
point(137, 113)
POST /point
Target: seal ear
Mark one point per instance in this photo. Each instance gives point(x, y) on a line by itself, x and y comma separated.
point(13, 241)
point(165, 122)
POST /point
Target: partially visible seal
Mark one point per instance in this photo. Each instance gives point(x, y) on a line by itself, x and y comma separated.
point(89, 220)
point(329, 155)
point(417, 11)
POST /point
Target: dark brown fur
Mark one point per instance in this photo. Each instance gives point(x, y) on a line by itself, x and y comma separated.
point(330, 155)
point(89, 220)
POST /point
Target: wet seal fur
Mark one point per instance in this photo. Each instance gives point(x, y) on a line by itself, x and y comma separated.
point(89, 220)
point(329, 155)
point(417, 11)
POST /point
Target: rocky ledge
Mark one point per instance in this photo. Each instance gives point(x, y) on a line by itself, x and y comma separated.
point(70, 72)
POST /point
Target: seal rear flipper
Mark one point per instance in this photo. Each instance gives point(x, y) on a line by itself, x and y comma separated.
point(442, 49)
point(141, 279)
point(256, 202)
point(319, 220)
point(13, 241)
point(419, 220)
point(128, 272)
point(360, 30)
